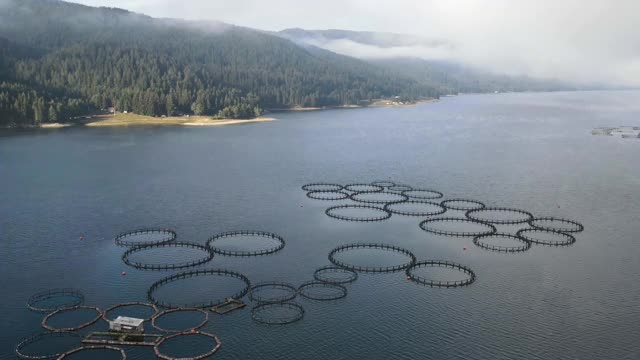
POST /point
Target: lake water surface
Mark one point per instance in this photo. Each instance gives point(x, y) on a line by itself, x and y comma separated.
point(528, 151)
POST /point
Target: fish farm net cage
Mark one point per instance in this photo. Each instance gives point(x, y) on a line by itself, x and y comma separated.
point(327, 195)
point(427, 225)
point(372, 269)
point(37, 302)
point(279, 243)
point(159, 236)
point(399, 188)
point(45, 321)
point(216, 347)
point(126, 257)
point(423, 194)
point(105, 314)
point(333, 213)
point(21, 347)
point(383, 183)
point(483, 241)
point(437, 209)
point(335, 275)
point(551, 237)
point(322, 187)
point(363, 188)
point(378, 197)
point(271, 313)
point(322, 291)
point(87, 348)
point(519, 216)
point(463, 204)
point(197, 273)
point(438, 283)
point(260, 292)
point(568, 226)
point(154, 319)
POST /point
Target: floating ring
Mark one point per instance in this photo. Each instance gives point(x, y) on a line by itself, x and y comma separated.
point(322, 187)
point(568, 239)
point(255, 313)
point(75, 328)
point(78, 299)
point(355, 197)
point(270, 250)
point(528, 216)
point(440, 263)
point(105, 313)
point(367, 188)
point(327, 195)
point(424, 226)
point(399, 188)
point(319, 274)
point(147, 266)
point(342, 291)
point(450, 204)
point(434, 194)
point(34, 338)
point(121, 240)
point(155, 318)
point(196, 273)
point(479, 241)
point(156, 347)
point(577, 227)
point(373, 269)
point(255, 296)
point(384, 216)
point(441, 209)
point(94, 347)
point(383, 183)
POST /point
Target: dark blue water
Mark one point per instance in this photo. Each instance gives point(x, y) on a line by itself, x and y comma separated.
point(527, 151)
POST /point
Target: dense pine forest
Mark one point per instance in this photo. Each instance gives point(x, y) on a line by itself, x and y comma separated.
point(61, 60)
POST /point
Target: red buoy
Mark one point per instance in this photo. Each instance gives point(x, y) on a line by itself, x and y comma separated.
point(81, 237)
point(124, 273)
point(465, 248)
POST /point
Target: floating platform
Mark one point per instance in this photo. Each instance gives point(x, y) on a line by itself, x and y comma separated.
point(228, 306)
point(115, 338)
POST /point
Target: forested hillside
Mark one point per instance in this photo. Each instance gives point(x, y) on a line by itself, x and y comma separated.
point(61, 60)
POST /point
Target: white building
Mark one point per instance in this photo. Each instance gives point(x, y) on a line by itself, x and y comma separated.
point(127, 324)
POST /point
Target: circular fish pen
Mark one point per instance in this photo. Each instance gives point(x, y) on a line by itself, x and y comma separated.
point(327, 195)
point(546, 237)
point(377, 197)
point(272, 313)
point(145, 237)
point(415, 208)
point(45, 321)
point(37, 302)
point(277, 243)
point(428, 226)
point(463, 204)
point(322, 291)
point(399, 188)
point(363, 188)
point(322, 187)
point(160, 355)
point(423, 194)
point(126, 257)
point(561, 225)
point(105, 314)
point(381, 214)
point(88, 348)
point(154, 319)
point(264, 292)
point(383, 183)
point(370, 246)
point(335, 275)
point(22, 346)
point(509, 216)
point(484, 241)
point(197, 273)
point(411, 275)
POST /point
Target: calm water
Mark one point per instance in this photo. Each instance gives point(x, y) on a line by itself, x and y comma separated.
point(529, 151)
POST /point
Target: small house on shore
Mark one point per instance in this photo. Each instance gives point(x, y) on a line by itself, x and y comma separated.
point(127, 325)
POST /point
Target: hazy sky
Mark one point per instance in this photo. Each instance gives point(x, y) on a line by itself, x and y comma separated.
point(580, 40)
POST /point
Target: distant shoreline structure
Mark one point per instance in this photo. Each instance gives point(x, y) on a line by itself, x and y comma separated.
point(625, 132)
